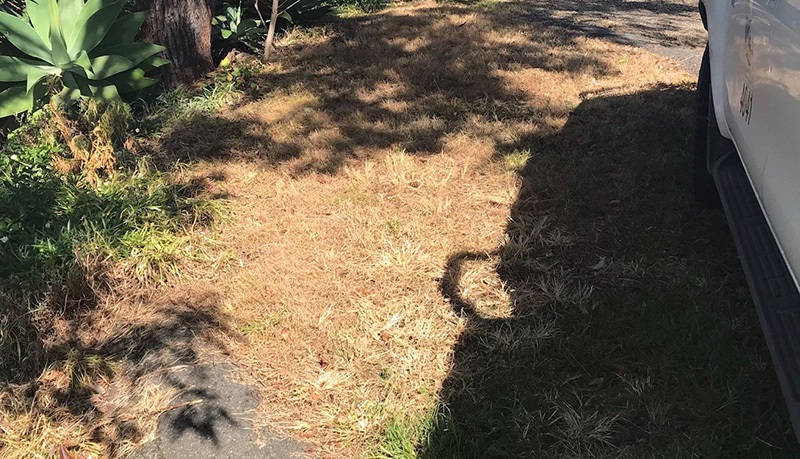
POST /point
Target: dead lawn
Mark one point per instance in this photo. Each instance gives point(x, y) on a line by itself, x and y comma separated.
point(386, 145)
point(432, 209)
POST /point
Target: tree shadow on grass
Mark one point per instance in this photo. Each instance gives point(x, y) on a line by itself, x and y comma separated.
point(405, 80)
point(630, 332)
point(98, 370)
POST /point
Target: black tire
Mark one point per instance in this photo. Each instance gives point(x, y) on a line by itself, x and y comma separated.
point(706, 136)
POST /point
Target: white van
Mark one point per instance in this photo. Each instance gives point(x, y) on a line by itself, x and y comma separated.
point(747, 157)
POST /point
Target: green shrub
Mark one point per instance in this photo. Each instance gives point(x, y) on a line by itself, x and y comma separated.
point(237, 25)
point(234, 24)
point(66, 46)
point(298, 12)
point(47, 219)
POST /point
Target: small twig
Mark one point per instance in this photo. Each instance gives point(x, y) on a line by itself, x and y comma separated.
point(258, 10)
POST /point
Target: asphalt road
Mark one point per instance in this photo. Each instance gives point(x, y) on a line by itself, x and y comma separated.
point(670, 28)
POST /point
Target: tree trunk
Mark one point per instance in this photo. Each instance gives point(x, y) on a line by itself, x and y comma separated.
point(271, 33)
point(183, 27)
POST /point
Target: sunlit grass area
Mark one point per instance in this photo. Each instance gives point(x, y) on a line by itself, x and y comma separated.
point(451, 231)
point(463, 233)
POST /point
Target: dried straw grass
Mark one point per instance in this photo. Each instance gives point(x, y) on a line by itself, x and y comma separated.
point(376, 155)
point(350, 192)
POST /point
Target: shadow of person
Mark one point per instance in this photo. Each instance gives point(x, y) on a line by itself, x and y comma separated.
point(626, 329)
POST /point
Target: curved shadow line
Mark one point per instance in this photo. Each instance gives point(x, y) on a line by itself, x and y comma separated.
point(450, 281)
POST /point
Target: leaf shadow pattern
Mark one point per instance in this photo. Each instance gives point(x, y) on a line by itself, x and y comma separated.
point(397, 80)
point(108, 375)
point(630, 333)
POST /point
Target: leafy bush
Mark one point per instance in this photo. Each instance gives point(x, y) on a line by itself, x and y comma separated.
point(66, 45)
point(237, 24)
point(298, 12)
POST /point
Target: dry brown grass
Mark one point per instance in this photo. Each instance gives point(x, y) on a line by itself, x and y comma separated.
point(107, 367)
point(384, 147)
point(378, 153)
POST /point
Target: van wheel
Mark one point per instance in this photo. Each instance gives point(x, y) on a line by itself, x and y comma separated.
point(706, 133)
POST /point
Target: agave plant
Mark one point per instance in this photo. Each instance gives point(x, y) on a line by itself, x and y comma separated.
point(69, 41)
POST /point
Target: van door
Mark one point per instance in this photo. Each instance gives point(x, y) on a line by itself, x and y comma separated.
point(745, 72)
point(780, 194)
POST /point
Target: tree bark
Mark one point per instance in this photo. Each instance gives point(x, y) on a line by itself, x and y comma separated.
point(183, 27)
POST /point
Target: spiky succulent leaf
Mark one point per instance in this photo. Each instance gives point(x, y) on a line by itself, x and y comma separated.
point(21, 34)
point(89, 33)
point(69, 10)
point(104, 90)
point(37, 74)
point(39, 14)
point(106, 66)
point(153, 63)
point(14, 100)
point(58, 46)
point(133, 80)
point(125, 29)
point(71, 92)
point(13, 69)
point(71, 38)
point(135, 52)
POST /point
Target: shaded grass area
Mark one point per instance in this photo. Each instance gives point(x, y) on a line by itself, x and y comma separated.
point(661, 356)
point(456, 231)
point(462, 231)
point(399, 80)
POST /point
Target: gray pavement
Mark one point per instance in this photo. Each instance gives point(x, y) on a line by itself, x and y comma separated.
point(213, 418)
point(670, 28)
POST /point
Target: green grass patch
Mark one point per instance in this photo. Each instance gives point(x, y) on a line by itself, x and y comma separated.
point(61, 237)
point(137, 216)
point(263, 324)
point(402, 437)
point(352, 8)
point(182, 104)
point(517, 159)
